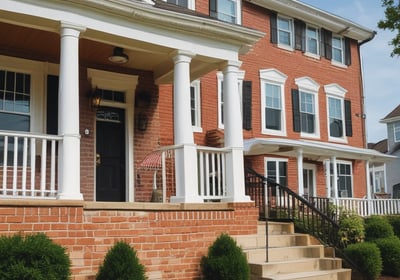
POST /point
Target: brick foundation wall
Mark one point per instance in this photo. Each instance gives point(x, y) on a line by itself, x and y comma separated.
point(170, 239)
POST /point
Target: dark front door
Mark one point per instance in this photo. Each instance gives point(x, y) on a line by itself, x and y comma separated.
point(110, 154)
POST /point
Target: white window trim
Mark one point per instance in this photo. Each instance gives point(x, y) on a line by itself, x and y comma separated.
point(310, 54)
point(191, 4)
point(38, 80)
point(220, 80)
point(275, 77)
point(394, 131)
point(308, 85)
point(291, 21)
point(352, 176)
point(338, 92)
point(276, 160)
point(197, 127)
point(335, 62)
point(313, 167)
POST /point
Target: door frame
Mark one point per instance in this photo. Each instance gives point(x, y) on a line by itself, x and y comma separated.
point(313, 167)
point(126, 83)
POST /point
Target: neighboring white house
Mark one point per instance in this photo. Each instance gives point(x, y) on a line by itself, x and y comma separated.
point(386, 177)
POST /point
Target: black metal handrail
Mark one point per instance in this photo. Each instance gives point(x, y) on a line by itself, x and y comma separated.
point(279, 203)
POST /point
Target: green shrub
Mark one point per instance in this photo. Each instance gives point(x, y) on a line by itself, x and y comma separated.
point(390, 251)
point(121, 263)
point(225, 261)
point(367, 257)
point(394, 220)
point(351, 229)
point(377, 227)
point(33, 257)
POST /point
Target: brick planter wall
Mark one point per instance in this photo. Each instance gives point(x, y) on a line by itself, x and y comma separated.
point(170, 238)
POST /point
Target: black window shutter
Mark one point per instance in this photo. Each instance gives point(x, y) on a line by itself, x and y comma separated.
point(347, 116)
point(322, 43)
point(52, 105)
point(296, 110)
point(213, 7)
point(347, 54)
point(328, 44)
point(246, 107)
point(274, 28)
point(300, 35)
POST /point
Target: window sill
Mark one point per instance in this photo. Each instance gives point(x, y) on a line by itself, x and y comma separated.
point(285, 47)
point(312, 55)
point(338, 64)
point(274, 132)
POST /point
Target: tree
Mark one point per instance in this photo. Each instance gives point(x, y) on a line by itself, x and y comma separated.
point(392, 23)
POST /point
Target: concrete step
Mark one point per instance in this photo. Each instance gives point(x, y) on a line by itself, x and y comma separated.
point(293, 266)
point(283, 240)
point(336, 274)
point(276, 228)
point(284, 253)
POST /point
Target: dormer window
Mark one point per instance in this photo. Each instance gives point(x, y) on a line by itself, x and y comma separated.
point(226, 10)
point(285, 31)
point(338, 49)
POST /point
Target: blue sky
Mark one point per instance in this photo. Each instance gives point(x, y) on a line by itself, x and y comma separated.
point(381, 71)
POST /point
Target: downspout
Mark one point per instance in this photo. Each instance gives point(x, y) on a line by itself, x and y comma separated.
point(363, 115)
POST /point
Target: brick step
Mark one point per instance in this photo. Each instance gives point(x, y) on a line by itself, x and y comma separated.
point(301, 265)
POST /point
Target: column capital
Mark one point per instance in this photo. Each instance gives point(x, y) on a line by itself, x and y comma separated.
point(68, 28)
point(229, 64)
point(182, 56)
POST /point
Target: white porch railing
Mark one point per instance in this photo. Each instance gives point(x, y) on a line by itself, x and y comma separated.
point(211, 171)
point(28, 165)
point(368, 207)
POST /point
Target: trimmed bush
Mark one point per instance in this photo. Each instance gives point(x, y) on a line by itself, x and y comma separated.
point(121, 263)
point(351, 229)
point(390, 251)
point(367, 257)
point(394, 220)
point(377, 227)
point(225, 261)
point(33, 257)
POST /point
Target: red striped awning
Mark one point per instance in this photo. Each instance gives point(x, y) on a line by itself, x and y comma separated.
point(153, 160)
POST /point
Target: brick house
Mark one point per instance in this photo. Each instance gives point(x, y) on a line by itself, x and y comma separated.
point(109, 105)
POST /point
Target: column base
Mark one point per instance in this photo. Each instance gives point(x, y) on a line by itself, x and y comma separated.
point(183, 199)
point(245, 198)
point(70, 196)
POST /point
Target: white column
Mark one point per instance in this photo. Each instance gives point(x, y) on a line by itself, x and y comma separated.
point(68, 114)
point(369, 186)
point(186, 156)
point(300, 171)
point(327, 167)
point(233, 135)
point(334, 177)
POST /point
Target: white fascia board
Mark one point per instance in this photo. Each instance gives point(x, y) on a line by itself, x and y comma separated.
point(141, 21)
point(256, 146)
point(317, 17)
point(390, 120)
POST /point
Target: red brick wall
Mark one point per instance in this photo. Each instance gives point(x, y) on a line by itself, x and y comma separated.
point(170, 239)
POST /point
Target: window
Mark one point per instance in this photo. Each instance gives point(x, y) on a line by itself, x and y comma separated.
point(335, 117)
point(396, 128)
point(190, 4)
point(307, 112)
point(195, 105)
point(285, 31)
point(276, 169)
point(15, 90)
point(339, 112)
point(273, 102)
point(226, 10)
point(338, 49)
point(305, 107)
point(344, 179)
point(220, 82)
point(312, 42)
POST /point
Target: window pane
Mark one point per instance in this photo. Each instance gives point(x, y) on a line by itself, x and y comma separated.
point(285, 31)
point(272, 119)
point(397, 131)
point(312, 40)
point(335, 117)
point(224, 10)
point(9, 121)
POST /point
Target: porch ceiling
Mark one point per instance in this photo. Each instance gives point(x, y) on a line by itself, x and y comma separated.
point(149, 34)
point(313, 150)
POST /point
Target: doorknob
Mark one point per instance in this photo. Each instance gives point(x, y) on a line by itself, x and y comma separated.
point(98, 159)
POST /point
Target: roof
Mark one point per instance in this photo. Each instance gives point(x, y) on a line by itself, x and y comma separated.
point(381, 146)
point(392, 116)
point(313, 15)
point(314, 150)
